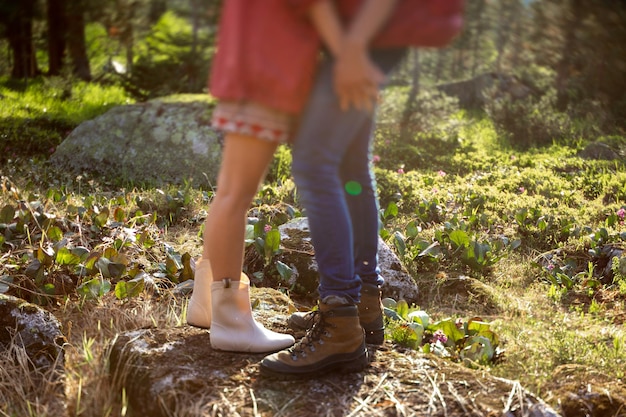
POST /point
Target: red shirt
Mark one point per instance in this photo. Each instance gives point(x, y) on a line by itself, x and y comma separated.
point(267, 50)
point(267, 53)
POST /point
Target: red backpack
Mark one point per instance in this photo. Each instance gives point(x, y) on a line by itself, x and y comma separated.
point(426, 23)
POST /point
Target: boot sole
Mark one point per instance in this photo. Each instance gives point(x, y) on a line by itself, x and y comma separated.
point(350, 366)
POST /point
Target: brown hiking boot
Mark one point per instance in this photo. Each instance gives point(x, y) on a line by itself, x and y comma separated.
point(335, 342)
point(370, 316)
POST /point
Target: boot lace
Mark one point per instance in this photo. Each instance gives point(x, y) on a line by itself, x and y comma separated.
point(312, 337)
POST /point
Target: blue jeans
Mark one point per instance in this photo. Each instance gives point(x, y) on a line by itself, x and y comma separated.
point(332, 169)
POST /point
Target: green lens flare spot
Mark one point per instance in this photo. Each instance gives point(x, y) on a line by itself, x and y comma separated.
point(353, 188)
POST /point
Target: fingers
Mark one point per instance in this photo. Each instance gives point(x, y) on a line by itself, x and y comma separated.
point(357, 84)
point(361, 97)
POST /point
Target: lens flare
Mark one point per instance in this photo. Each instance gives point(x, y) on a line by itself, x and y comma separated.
point(353, 188)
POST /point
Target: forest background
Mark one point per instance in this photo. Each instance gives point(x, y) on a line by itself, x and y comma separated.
point(489, 181)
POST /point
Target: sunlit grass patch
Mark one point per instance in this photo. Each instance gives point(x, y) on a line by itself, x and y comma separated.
point(58, 99)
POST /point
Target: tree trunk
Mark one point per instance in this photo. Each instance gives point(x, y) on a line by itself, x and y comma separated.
point(570, 22)
point(441, 58)
point(76, 40)
point(20, 34)
point(57, 26)
point(477, 36)
point(409, 107)
point(194, 41)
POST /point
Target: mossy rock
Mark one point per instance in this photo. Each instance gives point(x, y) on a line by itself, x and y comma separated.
point(167, 140)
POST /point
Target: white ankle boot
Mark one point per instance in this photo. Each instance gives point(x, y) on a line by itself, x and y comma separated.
point(199, 308)
point(233, 327)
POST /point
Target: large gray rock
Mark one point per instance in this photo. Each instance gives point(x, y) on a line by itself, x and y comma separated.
point(298, 253)
point(600, 151)
point(34, 329)
point(164, 140)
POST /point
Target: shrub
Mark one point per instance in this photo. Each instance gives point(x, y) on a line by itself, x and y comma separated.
point(529, 122)
point(427, 131)
point(165, 63)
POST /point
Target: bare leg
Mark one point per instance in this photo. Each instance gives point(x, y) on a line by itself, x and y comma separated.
point(244, 164)
point(225, 306)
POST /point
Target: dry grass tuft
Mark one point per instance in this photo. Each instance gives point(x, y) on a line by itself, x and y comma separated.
point(27, 391)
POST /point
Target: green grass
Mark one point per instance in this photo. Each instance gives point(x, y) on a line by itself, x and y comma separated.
point(481, 192)
point(56, 98)
point(35, 116)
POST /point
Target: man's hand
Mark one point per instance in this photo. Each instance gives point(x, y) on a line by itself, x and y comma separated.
point(356, 78)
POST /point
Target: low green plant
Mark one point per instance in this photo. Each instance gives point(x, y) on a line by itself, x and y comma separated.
point(471, 342)
point(618, 266)
point(456, 240)
point(62, 259)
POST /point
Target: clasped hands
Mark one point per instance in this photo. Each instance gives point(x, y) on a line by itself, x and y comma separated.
point(356, 78)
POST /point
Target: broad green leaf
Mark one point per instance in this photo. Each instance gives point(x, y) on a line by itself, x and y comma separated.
point(259, 227)
point(260, 245)
point(110, 253)
point(416, 335)
point(187, 272)
point(101, 218)
point(129, 289)
point(479, 350)
point(272, 241)
point(92, 258)
point(389, 303)
point(116, 269)
point(476, 326)
point(491, 336)
point(66, 257)
point(80, 251)
point(45, 255)
point(49, 289)
point(145, 241)
point(459, 238)
point(412, 230)
point(542, 224)
point(7, 214)
point(391, 210)
point(94, 288)
point(391, 314)
point(171, 267)
point(399, 243)
point(119, 215)
point(419, 316)
point(403, 309)
point(34, 270)
point(102, 264)
point(249, 237)
point(433, 251)
point(284, 271)
point(55, 234)
point(448, 327)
